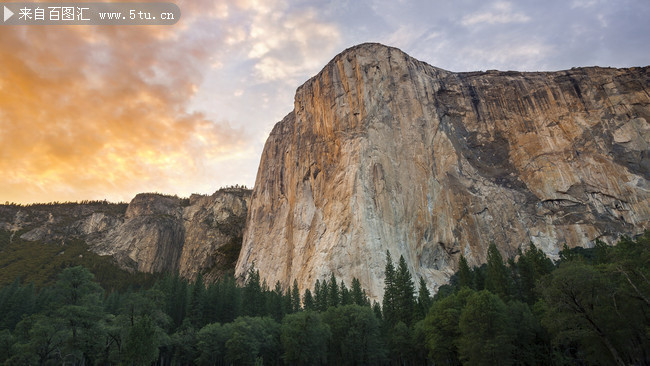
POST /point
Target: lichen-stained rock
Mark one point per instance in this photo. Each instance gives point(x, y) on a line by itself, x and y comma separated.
point(384, 152)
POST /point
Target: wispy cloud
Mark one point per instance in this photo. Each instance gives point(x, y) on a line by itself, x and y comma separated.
point(285, 45)
point(499, 13)
point(94, 112)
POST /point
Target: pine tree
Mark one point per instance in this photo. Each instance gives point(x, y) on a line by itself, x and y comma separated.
point(308, 301)
point(275, 301)
point(287, 302)
point(464, 273)
point(390, 292)
point(346, 298)
point(295, 297)
point(175, 292)
point(324, 296)
point(334, 296)
point(317, 300)
point(197, 301)
point(405, 293)
point(567, 255)
point(253, 298)
point(357, 294)
point(496, 277)
point(531, 266)
point(424, 299)
point(376, 308)
point(321, 294)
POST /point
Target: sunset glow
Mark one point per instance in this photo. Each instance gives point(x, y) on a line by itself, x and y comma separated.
point(105, 112)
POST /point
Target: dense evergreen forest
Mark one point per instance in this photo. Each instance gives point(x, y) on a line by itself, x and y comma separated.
point(592, 307)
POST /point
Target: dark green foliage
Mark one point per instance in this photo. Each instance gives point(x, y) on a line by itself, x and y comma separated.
point(253, 339)
point(424, 300)
point(182, 344)
point(405, 305)
point(6, 343)
point(197, 301)
point(400, 343)
point(530, 268)
point(274, 303)
point(39, 263)
point(253, 299)
point(308, 301)
point(357, 294)
point(389, 305)
point(376, 308)
point(78, 302)
point(497, 279)
point(486, 334)
point(356, 338)
point(15, 302)
point(442, 327)
point(175, 291)
point(346, 297)
point(530, 345)
point(322, 295)
point(399, 301)
point(141, 344)
point(226, 300)
point(602, 309)
point(591, 310)
point(333, 296)
point(40, 339)
point(295, 298)
point(479, 277)
point(304, 339)
point(211, 343)
point(465, 278)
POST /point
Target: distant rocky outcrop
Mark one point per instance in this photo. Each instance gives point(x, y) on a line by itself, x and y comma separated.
point(153, 233)
point(384, 152)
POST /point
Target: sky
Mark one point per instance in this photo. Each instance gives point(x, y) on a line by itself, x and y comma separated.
point(106, 112)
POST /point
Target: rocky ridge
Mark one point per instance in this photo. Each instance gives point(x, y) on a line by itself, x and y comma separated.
point(153, 233)
point(384, 152)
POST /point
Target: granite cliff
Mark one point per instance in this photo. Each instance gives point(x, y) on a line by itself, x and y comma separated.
point(153, 233)
point(384, 152)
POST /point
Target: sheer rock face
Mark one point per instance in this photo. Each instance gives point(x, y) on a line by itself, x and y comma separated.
point(384, 152)
point(155, 233)
point(159, 234)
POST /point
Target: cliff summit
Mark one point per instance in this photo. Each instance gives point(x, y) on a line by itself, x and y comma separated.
point(383, 152)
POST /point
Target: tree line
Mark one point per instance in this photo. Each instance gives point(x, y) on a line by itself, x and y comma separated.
point(589, 308)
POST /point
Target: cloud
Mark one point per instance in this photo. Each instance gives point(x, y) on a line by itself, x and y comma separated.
point(95, 112)
point(500, 13)
point(584, 3)
point(516, 55)
point(287, 45)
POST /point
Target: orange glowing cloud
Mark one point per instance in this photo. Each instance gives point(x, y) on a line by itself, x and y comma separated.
point(103, 112)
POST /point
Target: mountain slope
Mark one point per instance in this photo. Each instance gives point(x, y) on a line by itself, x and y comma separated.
point(153, 233)
point(384, 152)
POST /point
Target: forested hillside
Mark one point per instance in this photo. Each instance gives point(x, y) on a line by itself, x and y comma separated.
point(590, 308)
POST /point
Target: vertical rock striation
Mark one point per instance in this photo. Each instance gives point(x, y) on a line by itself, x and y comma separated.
point(384, 152)
point(164, 234)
